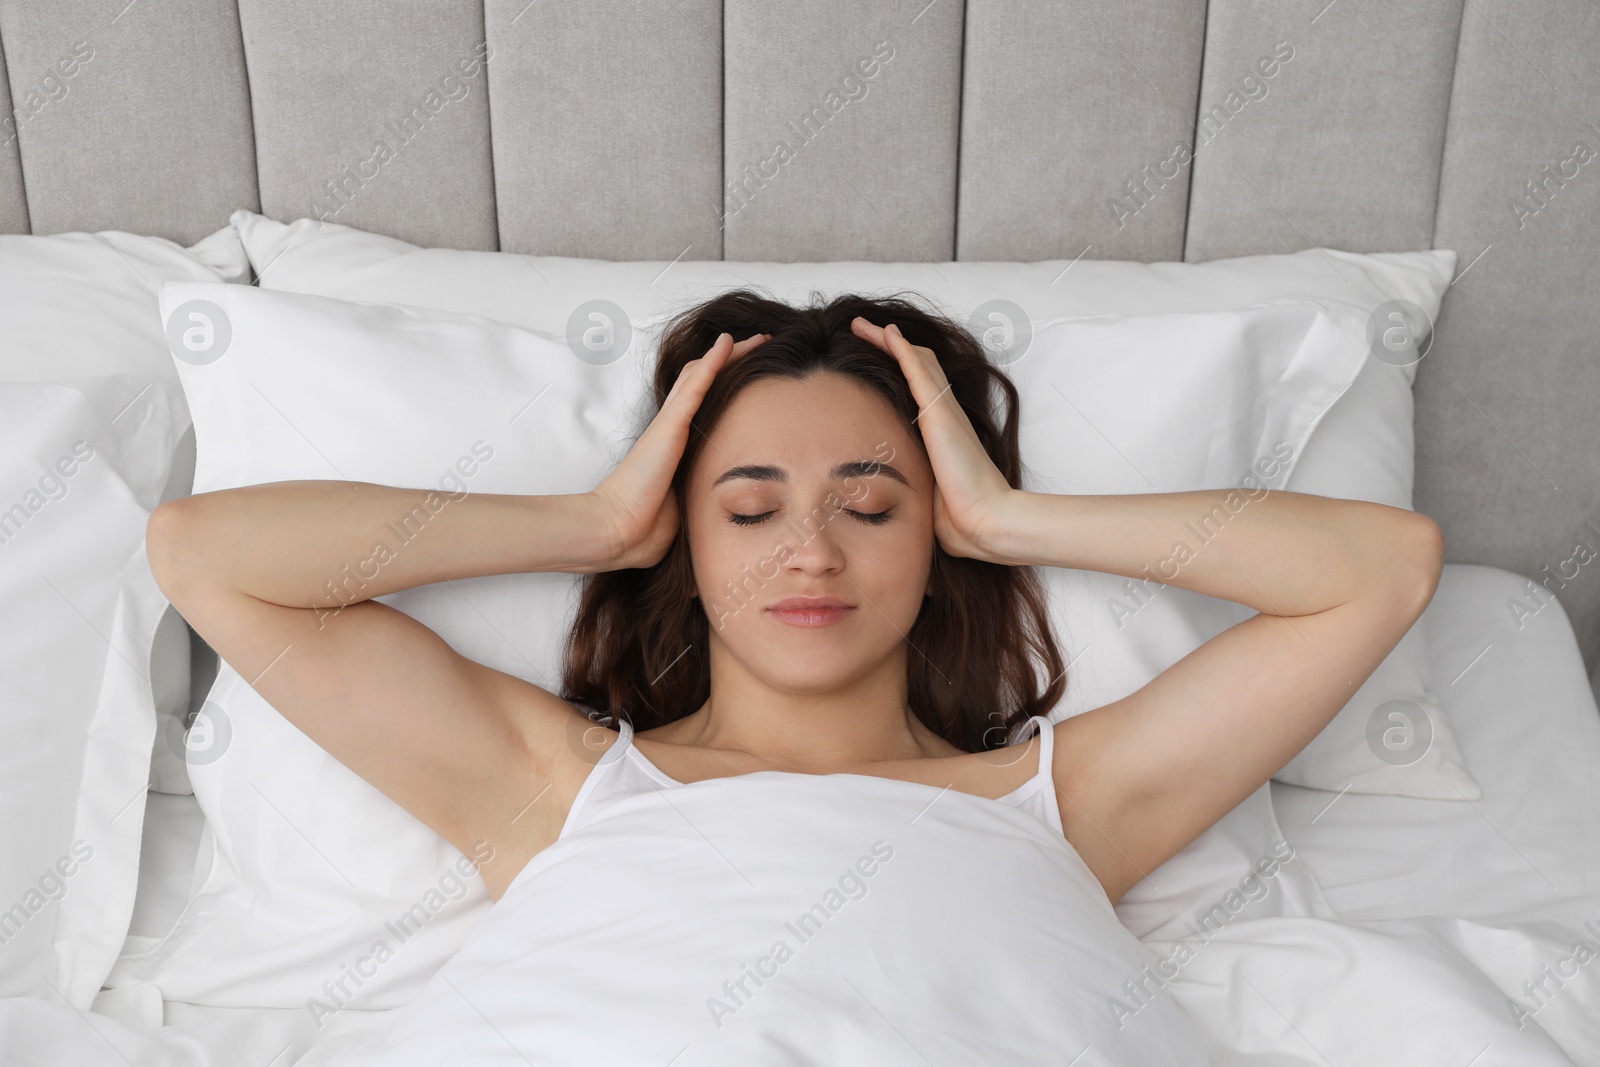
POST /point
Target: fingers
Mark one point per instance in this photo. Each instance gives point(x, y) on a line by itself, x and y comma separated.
point(892, 341)
point(641, 480)
point(750, 342)
point(919, 364)
point(696, 376)
point(722, 350)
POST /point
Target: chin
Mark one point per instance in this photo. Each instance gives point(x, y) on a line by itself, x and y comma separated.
point(809, 670)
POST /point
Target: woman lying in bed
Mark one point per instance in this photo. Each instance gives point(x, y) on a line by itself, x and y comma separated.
point(816, 560)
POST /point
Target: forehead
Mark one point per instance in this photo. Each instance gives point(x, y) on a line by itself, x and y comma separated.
point(809, 426)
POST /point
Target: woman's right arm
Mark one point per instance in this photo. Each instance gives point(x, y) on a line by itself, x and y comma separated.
point(278, 578)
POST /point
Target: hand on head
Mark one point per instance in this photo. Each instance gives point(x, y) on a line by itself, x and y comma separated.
point(639, 513)
point(970, 492)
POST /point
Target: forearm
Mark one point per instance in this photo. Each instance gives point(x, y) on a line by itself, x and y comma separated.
point(330, 543)
point(1278, 552)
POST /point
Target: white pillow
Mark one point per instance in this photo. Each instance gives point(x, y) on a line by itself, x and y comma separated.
point(307, 860)
point(1364, 450)
point(79, 310)
point(1393, 736)
point(90, 414)
point(1168, 403)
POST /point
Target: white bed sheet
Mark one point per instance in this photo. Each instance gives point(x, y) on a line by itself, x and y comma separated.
point(1485, 891)
point(173, 826)
point(1526, 719)
point(1529, 729)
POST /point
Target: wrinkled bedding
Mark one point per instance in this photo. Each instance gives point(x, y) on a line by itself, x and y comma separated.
point(801, 919)
point(1469, 934)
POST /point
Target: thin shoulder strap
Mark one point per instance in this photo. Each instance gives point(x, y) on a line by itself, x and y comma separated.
point(624, 732)
point(1047, 747)
point(1045, 775)
point(591, 781)
point(1047, 736)
point(621, 744)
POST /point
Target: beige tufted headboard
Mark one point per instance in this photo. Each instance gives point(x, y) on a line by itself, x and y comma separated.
point(917, 130)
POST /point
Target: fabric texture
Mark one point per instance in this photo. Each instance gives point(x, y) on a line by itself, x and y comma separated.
point(1003, 133)
point(1363, 448)
point(511, 410)
point(135, 119)
point(801, 916)
point(625, 771)
point(91, 416)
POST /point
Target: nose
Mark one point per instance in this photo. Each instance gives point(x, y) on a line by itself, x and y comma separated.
point(813, 544)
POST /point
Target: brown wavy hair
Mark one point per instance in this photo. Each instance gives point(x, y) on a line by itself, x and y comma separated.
point(977, 642)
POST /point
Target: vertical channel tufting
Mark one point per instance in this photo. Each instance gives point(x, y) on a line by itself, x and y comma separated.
point(1508, 456)
point(374, 114)
point(842, 123)
point(607, 127)
point(1076, 121)
point(1320, 124)
point(13, 201)
point(130, 116)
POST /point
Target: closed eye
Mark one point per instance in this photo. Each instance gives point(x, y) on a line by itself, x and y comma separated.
point(877, 518)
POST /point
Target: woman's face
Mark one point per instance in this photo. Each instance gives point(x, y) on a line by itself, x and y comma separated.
point(783, 502)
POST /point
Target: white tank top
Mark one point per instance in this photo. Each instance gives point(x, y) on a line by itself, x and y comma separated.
point(633, 941)
point(625, 771)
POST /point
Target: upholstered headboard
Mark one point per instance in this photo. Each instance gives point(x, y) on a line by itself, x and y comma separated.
point(917, 130)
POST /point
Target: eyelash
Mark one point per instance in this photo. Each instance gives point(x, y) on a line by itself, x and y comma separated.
point(871, 519)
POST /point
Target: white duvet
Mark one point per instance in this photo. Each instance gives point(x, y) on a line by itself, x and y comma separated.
point(792, 919)
point(795, 919)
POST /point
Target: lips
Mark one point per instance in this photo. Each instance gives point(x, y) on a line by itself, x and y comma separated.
point(810, 610)
point(795, 603)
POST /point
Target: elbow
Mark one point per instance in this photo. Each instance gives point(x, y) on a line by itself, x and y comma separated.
point(1422, 559)
point(169, 545)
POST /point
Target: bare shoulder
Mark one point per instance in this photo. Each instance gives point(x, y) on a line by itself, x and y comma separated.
point(562, 744)
point(1082, 787)
point(1141, 777)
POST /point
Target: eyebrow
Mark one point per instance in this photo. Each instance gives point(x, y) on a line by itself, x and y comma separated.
point(767, 472)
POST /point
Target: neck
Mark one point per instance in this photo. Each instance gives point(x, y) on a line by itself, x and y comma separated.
point(812, 732)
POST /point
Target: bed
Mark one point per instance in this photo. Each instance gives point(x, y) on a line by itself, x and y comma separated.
point(1524, 859)
point(152, 147)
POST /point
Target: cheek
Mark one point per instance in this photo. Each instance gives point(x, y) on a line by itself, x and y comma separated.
point(730, 571)
point(892, 569)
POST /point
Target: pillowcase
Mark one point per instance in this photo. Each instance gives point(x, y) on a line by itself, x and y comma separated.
point(1168, 403)
point(307, 863)
point(90, 414)
point(1393, 736)
point(1364, 450)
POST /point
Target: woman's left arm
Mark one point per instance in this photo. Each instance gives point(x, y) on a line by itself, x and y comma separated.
point(1279, 552)
point(1336, 583)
